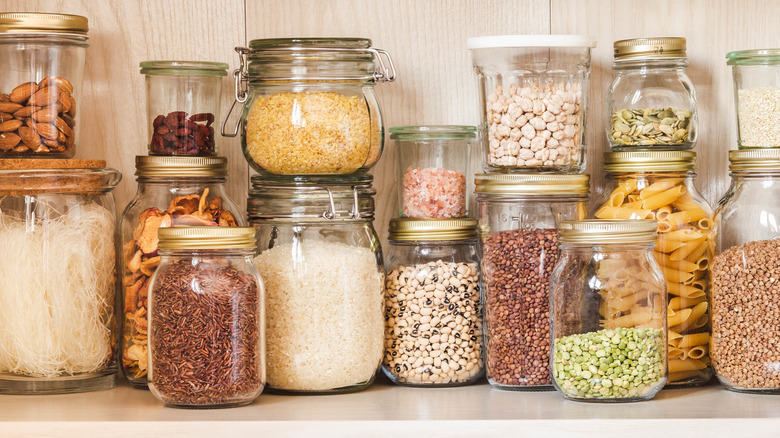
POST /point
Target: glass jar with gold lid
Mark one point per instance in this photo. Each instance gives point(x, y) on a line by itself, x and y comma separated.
point(432, 303)
point(660, 185)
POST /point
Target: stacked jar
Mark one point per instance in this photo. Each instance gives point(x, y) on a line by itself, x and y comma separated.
point(311, 127)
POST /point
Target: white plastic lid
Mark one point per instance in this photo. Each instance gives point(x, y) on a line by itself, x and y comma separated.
point(498, 41)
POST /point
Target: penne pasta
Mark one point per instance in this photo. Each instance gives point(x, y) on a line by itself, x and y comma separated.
point(674, 318)
point(678, 303)
point(683, 375)
point(661, 199)
point(677, 365)
point(697, 352)
point(680, 265)
point(676, 276)
point(684, 251)
point(658, 187)
point(694, 340)
point(607, 212)
point(684, 290)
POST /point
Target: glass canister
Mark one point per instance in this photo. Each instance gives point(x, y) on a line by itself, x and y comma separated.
point(58, 329)
point(745, 273)
point(608, 312)
point(433, 312)
point(432, 169)
point(533, 100)
point(206, 319)
point(40, 84)
point(660, 185)
point(322, 263)
point(309, 106)
point(652, 102)
point(756, 75)
point(182, 102)
point(172, 191)
point(518, 216)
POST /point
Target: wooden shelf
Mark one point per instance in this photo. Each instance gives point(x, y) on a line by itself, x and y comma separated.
point(392, 411)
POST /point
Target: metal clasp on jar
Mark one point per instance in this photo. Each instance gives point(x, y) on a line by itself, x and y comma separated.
point(333, 214)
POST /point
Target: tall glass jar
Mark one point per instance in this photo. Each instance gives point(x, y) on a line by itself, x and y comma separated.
point(40, 83)
point(757, 96)
point(182, 102)
point(745, 287)
point(433, 312)
point(172, 191)
point(608, 311)
point(58, 267)
point(660, 185)
point(310, 107)
point(206, 319)
point(652, 102)
point(322, 262)
point(518, 216)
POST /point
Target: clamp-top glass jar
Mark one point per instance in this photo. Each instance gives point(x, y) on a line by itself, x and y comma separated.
point(40, 83)
point(321, 260)
point(310, 107)
point(652, 102)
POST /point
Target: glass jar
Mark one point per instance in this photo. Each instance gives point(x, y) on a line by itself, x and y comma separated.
point(57, 264)
point(40, 84)
point(533, 101)
point(608, 312)
point(660, 185)
point(206, 319)
point(432, 303)
point(652, 102)
point(757, 96)
point(744, 275)
point(310, 107)
point(182, 102)
point(322, 262)
point(433, 169)
point(518, 216)
point(172, 191)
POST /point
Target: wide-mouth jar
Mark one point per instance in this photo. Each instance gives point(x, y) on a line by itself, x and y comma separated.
point(756, 96)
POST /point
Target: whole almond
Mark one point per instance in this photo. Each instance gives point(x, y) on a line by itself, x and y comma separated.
point(10, 125)
point(47, 131)
point(68, 119)
point(23, 92)
point(25, 112)
point(44, 96)
point(9, 107)
point(4, 98)
point(61, 137)
point(45, 115)
point(42, 150)
point(50, 143)
point(63, 84)
point(65, 103)
point(5, 116)
point(62, 125)
point(8, 140)
point(29, 137)
point(21, 148)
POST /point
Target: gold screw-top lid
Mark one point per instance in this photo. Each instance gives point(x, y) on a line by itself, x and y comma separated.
point(754, 160)
point(409, 229)
point(34, 22)
point(650, 161)
point(207, 238)
point(531, 184)
point(608, 231)
point(650, 48)
point(180, 166)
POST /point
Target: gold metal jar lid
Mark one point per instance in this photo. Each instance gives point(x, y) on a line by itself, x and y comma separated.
point(754, 160)
point(410, 229)
point(531, 184)
point(179, 166)
point(650, 48)
point(607, 231)
point(207, 238)
point(34, 22)
point(650, 161)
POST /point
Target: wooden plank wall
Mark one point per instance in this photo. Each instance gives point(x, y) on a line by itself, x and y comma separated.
point(427, 40)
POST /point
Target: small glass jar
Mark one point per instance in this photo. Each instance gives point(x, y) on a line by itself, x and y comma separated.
point(310, 107)
point(322, 262)
point(57, 263)
point(40, 84)
point(172, 191)
point(206, 319)
point(757, 97)
point(518, 216)
point(533, 101)
point(745, 275)
point(660, 185)
point(652, 102)
point(432, 303)
point(608, 312)
point(433, 169)
point(182, 102)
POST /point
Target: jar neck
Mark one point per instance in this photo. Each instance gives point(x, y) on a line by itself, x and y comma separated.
point(556, 198)
point(647, 65)
point(459, 242)
point(754, 175)
point(608, 247)
point(175, 180)
point(207, 253)
point(686, 174)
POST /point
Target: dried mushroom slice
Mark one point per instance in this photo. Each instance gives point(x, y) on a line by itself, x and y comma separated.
point(226, 219)
point(185, 204)
point(148, 240)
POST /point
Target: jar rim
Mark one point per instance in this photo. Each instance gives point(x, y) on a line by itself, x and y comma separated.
point(183, 68)
point(754, 57)
point(606, 231)
point(532, 185)
point(650, 161)
point(754, 160)
point(180, 166)
point(43, 23)
point(418, 229)
point(314, 42)
point(19, 182)
point(650, 48)
point(193, 238)
point(433, 132)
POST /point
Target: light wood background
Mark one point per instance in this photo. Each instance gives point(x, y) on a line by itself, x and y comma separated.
point(427, 41)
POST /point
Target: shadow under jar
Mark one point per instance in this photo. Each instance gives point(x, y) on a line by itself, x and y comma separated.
point(518, 217)
point(322, 262)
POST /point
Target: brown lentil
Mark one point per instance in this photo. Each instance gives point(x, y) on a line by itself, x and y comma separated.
point(517, 269)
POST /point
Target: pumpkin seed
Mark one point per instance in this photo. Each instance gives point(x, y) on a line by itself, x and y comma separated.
point(650, 126)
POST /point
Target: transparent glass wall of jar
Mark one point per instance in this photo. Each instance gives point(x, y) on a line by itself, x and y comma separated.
point(756, 75)
point(433, 312)
point(608, 312)
point(652, 101)
point(745, 275)
point(518, 216)
point(41, 83)
point(533, 101)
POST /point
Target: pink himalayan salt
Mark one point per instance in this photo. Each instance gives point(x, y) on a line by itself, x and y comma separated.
point(433, 193)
